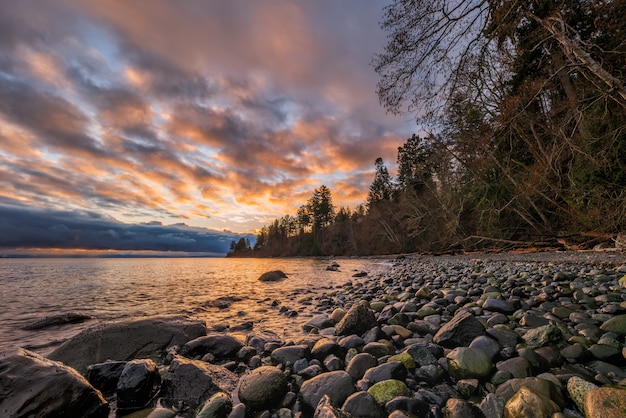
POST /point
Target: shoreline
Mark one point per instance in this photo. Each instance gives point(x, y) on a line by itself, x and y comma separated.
point(544, 320)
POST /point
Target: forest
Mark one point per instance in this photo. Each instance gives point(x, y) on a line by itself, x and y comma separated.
point(521, 108)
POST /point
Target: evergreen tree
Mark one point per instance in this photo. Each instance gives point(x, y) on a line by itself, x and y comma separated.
point(381, 188)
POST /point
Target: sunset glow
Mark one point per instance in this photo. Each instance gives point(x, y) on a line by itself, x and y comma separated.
point(219, 115)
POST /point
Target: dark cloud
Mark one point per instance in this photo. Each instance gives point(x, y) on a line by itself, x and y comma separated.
point(28, 228)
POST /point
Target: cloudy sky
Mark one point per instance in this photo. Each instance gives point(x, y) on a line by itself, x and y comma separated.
point(180, 119)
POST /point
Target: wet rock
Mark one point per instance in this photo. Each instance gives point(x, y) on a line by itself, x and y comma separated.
point(517, 366)
point(499, 305)
point(384, 391)
point(104, 376)
point(616, 324)
point(324, 347)
point(362, 404)
point(392, 370)
point(127, 340)
point(492, 406)
point(360, 364)
point(219, 345)
point(466, 362)
point(605, 402)
point(318, 322)
point(272, 276)
point(56, 320)
point(217, 406)
point(32, 386)
point(189, 383)
point(357, 320)
point(487, 344)
point(290, 354)
point(459, 331)
point(262, 388)
point(545, 335)
point(337, 385)
point(529, 403)
point(259, 339)
point(137, 386)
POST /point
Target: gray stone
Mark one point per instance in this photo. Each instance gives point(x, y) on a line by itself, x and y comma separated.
point(262, 388)
point(104, 376)
point(519, 367)
point(189, 383)
point(492, 406)
point(499, 305)
point(359, 319)
point(127, 340)
point(547, 334)
point(487, 344)
point(459, 331)
point(360, 364)
point(219, 345)
point(392, 370)
point(290, 354)
point(337, 385)
point(466, 362)
point(217, 406)
point(32, 386)
point(137, 386)
point(363, 405)
point(272, 276)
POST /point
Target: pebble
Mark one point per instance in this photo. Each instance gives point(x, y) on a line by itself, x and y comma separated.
point(443, 336)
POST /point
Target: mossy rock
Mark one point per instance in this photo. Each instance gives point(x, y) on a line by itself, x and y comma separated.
point(386, 390)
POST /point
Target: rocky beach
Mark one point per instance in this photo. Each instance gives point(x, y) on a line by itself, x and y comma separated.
point(481, 335)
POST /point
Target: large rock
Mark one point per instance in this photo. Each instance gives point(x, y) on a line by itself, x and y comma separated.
point(189, 383)
point(32, 386)
point(220, 345)
point(290, 354)
point(605, 402)
point(137, 386)
point(617, 324)
point(337, 385)
point(104, 376)
point(529, 403)
point(363, 405)
point(391, 370)
point(56, 320)
point(262, 388)
point(546, 387)
point(545, 335)
point(143, 338)
point(359, 319)
point(466, 362)
point(459, 331)
point(272, 276)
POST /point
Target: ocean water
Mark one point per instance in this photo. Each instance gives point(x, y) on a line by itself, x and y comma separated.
point(110, 289)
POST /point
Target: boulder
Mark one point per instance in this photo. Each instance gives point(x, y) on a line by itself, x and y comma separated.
point(545, 335)
point(272, 276)
point(384, 391)
point(466, 362)
point(127, 340)
point(459, 331)
point(55, 320)
point(359, 319)
point(360, 364)
point(104, 376)
point(33, 386)
point(137, 386)
point(605, 402)
point(290, 354)
point(337, 385)
point(363, 405)
point(220, 345)
point(529, 403)
point(189, 383)
point(262, 388)
point(217, 406)
point(391, 370)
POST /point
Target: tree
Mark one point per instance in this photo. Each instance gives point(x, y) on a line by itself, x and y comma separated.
point(321, 208)
point(413, 160)
point(381, 188)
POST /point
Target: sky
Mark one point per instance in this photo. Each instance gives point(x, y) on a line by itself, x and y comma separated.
point(180, 125)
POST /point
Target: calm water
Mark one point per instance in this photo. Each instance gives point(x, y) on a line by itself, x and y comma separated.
point(116, 289)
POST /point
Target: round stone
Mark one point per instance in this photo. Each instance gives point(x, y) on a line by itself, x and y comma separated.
point(262, 387)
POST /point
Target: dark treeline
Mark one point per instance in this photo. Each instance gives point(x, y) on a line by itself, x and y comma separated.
point(525, 107)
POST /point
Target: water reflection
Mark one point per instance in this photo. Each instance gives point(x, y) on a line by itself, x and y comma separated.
point(114, 289)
